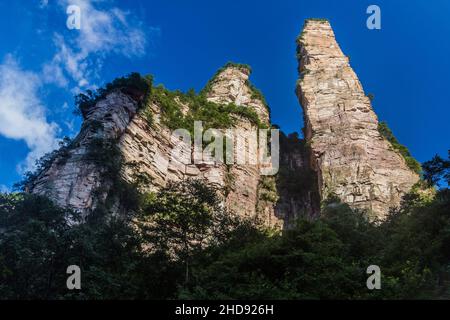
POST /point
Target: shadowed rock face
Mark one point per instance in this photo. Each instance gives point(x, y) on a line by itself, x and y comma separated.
point(351, 158)
point(296, 182)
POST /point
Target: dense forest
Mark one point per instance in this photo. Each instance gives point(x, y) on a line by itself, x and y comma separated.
point(181, 243)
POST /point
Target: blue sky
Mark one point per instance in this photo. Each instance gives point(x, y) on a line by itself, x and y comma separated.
point(406, 64)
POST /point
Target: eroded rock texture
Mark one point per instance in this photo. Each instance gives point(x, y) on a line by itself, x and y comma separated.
point(151, 146)
point(148, 149)
point(351, 158)
point(344, 154)
point(72, 180)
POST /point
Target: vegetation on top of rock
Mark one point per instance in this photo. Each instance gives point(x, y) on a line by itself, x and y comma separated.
point(256, 93)
point(317, 19)
point(136, 86)
point(240, 66)
point(300, 36)
point(212, 115)
point(386, 133)
point(141, 89)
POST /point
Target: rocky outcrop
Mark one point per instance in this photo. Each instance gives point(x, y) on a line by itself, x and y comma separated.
point(343, 153)
point(232, 85)
point(243, 180)
point(351, 158)
point(72, 180)
point(151, 148)
point(147, 149)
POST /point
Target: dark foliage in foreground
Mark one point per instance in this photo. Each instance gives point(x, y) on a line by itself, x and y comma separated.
point(182, 244)
point(328, 258)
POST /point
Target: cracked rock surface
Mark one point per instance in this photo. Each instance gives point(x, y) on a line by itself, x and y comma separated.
point(351, 158)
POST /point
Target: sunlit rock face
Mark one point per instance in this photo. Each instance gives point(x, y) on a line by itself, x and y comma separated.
point(151, 147)
point(351, 158)
point(74, 182)
point(232, 85)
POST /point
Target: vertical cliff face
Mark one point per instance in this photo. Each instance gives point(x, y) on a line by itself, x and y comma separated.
point(150, 148)
point(72, 179)
point(351, 158)
point(147, 150)
point(244, 181)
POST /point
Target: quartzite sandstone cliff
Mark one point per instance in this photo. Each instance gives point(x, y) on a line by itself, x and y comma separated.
point(344, 153)
point(75, 183)
point(351, 158)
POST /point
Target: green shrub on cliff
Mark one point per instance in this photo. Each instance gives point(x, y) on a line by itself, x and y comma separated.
point(386, 132)
point(140, 88)
point(135, 85)
point(256, 93)
point(45, 162)
point(317, 19)
point(212, 115)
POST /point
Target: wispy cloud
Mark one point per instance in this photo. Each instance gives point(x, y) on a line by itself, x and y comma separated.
point(81, 53)
point(76, 65)
point(22, 114)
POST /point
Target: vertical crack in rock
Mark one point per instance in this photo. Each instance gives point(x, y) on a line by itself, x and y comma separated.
point(351, 158)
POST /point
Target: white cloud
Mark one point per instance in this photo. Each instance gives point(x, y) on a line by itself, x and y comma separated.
point(81, 54)
point(22, 115)
point(66, 60)
point(76, 65)
point(53, 73)
point(109, 30)
point(70, 126)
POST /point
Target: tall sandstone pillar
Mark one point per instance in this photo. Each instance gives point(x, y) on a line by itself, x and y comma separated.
point(351, 158)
